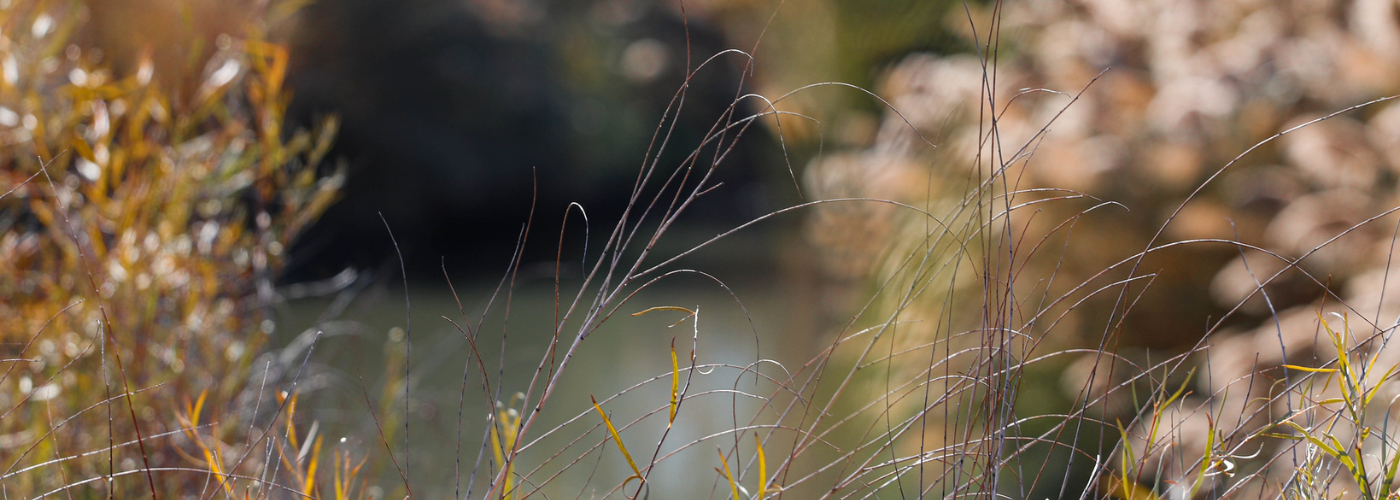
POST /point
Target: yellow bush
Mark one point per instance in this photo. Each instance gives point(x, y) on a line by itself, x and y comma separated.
point(145, 211)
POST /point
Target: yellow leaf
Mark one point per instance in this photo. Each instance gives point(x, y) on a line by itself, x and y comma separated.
point(664, 308)
point(688, 312)
point(310, 482)
point(762, 469)
point(198, 407)
point(618, 439)
point(733, 488)
point(1310, 370)
point(675, 383)
point(1127, 489)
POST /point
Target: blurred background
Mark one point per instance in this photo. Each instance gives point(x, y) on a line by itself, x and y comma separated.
point(455, 114)
point(457, 120)
point(448, 106)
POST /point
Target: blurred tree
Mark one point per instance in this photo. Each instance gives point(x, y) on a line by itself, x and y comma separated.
point(448, 108)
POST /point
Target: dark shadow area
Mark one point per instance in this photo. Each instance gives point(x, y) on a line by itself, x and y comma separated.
point(454, 114)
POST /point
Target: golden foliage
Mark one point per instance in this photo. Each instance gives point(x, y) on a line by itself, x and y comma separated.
point(140, 229)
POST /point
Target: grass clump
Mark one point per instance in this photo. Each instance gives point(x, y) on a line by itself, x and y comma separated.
point(144, 212)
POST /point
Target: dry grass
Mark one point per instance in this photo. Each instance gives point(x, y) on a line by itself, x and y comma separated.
point(143, 226)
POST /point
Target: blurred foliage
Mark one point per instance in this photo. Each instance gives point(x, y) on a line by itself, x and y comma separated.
point(146, 208)
point(1184, 90)
point(801, 42)
point(1151, 104)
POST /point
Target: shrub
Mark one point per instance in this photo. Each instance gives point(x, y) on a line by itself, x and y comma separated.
point(145, 211)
